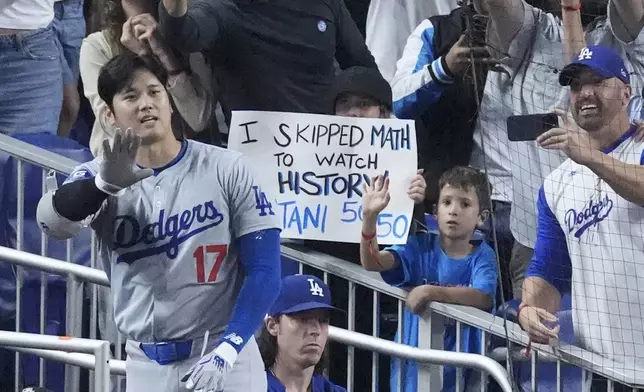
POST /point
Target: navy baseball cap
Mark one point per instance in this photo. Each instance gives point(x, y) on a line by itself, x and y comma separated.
point(300, 293)
point(601, 59)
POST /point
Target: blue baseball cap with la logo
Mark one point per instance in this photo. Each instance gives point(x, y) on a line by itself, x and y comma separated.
point(300, 293)
point(601, 59)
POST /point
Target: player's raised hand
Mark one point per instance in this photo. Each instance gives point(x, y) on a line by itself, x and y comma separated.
point(375, 196)
point(118, 166)
point(209, 374)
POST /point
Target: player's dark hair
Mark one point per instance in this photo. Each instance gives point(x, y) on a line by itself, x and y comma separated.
point(465, 177)
point(268, 349)
point(118, 74)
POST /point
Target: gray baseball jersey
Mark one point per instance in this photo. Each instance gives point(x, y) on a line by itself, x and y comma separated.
point(168, 243)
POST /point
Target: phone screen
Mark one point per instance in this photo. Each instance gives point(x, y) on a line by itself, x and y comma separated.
point(529, 127)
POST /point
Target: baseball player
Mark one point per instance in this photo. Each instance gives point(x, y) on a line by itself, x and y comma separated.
point(189, 241)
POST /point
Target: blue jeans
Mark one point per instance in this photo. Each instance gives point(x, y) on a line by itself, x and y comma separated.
point(31, 82)
point(69, 27)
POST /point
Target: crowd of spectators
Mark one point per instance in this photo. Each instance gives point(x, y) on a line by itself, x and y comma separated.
point(504, 210)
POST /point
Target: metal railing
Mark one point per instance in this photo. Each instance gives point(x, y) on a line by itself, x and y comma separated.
point(99, 349)
point(350, 338)
point(486, 322)
point(430, 327)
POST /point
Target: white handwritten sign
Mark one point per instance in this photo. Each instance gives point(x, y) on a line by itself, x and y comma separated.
point(313, 167)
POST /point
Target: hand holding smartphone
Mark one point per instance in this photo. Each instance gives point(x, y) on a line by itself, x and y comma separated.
point(528, 127)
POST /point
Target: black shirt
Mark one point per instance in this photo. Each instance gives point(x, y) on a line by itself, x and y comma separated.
point(275, 55)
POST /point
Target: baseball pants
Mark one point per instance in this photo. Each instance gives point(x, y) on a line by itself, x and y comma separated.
point(144, 374)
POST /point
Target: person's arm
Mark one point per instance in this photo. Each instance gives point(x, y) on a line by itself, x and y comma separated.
point(192, 97)
point(191, 28)
point(60, 212)
point(479, 294)
point(371, 257)
point(624, 178)
point(257, 235)
point(351, 49)
point(420, 77)
point(626, 18)
point(259, 253)
point(550, 269)
point(467, 296)
point(574, 37)
point(93, 56)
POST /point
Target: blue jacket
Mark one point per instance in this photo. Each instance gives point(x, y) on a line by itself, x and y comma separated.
point(445, 107)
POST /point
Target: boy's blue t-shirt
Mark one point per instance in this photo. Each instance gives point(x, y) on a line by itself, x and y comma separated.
point(318, 384)
point(423, 261)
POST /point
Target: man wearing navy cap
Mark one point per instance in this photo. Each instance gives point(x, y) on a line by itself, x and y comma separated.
point(294, 336)
point(590, 218)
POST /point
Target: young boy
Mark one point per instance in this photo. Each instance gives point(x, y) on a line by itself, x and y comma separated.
point(446, 267)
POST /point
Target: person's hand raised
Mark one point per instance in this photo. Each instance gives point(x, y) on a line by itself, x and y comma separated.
point(145, 29)
point(375, 196)
point(118, 169)
point(129, 38)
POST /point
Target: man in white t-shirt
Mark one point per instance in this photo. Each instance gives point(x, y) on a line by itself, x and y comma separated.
point(591, 218)
point(31, 80)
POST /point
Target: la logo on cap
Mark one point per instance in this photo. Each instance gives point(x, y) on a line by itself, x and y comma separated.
point(586, 54)
point(315, 288)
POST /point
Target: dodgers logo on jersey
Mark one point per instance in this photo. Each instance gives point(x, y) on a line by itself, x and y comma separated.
point(261, 202)
point(175, 228)
point(593, 213)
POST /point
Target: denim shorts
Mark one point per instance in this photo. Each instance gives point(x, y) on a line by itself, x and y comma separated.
point(69, 29)
point(31, 82)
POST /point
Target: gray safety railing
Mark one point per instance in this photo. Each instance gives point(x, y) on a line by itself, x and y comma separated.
point(350, 338)
point(431, 326)
point(99, 349)
point(430, 331)
point(52, 163)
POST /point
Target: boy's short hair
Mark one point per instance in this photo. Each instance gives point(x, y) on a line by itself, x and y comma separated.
point(466, 177)
point(119, 72)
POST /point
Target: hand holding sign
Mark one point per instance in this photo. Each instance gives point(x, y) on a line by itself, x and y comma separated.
point(417, 188)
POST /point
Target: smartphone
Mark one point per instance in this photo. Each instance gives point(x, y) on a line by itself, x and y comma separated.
point(528, 127)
